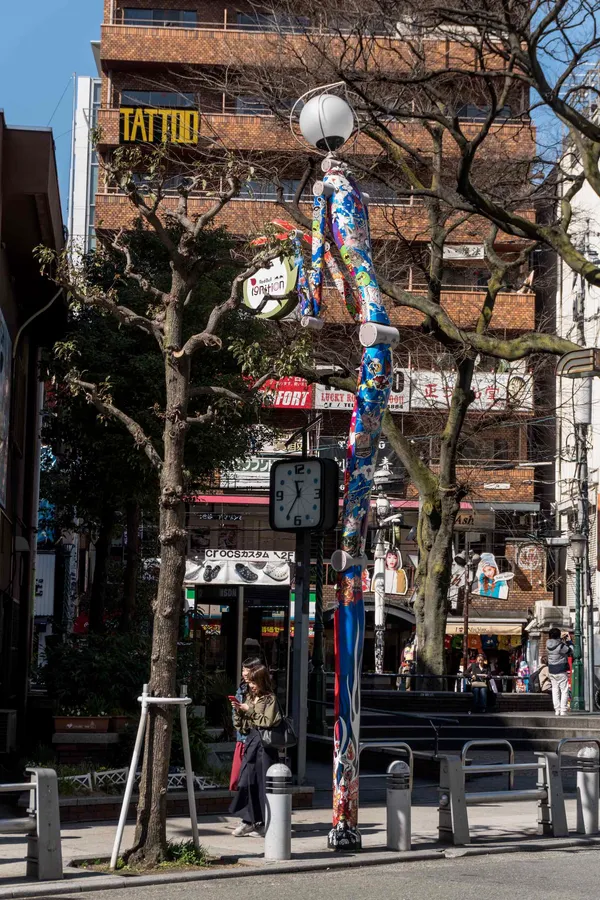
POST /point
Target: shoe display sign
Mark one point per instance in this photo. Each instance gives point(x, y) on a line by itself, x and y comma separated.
point(260, 567)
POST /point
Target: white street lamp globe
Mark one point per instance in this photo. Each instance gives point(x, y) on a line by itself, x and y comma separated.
point(326, 121)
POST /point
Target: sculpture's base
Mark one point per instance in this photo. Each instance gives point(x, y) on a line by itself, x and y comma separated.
point(344, 838)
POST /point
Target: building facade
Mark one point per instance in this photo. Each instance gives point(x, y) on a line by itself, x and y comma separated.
point(157, 67)
point(32, 314)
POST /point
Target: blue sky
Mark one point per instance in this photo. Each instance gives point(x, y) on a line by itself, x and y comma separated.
point(42, 43)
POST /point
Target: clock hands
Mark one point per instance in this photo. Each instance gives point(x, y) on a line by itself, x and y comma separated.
point(296, 498)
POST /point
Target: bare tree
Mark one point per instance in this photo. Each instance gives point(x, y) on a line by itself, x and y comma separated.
point(446, 96)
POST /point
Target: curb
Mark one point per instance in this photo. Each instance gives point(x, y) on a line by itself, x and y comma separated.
point(377, 858)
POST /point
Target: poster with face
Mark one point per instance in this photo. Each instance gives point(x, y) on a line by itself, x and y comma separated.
point(489, 581)
point(396, 581)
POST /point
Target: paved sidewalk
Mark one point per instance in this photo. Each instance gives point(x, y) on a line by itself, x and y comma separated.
point(494, 827)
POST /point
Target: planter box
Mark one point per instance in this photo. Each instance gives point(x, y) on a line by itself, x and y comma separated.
point(94, 724)
point(118, 724)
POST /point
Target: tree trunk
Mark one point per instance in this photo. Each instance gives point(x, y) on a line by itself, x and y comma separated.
point(98, 591)
point(130, 578)
point(150, 841)
point(435, 533)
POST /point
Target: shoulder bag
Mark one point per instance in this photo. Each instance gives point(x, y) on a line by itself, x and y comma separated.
point(280, 736)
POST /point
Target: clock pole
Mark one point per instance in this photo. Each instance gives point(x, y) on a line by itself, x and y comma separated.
point(301, 620)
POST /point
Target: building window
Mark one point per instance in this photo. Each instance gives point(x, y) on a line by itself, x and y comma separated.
point(161, 18)
point(158, 99)
point(254, 21)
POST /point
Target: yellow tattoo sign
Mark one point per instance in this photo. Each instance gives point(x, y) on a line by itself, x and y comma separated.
point(158, 126)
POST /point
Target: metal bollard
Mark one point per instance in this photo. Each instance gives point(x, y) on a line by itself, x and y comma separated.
point(398, 806)
point(588, 785)
point(278, 825)
point(44, 852)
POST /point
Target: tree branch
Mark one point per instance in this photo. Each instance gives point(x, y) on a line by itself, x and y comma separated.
point(107, 408)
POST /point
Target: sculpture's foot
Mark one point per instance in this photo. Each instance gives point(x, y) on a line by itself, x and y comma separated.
point(344, 838)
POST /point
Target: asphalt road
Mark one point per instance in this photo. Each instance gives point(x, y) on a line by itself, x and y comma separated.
point(528, 876)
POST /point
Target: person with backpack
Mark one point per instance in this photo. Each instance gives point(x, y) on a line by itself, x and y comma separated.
point(559, 648)
point(254, 719)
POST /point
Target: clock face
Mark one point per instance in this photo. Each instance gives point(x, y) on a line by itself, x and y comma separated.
point(296, 494)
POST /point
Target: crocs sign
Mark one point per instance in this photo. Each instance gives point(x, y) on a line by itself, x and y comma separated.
point(258, 567)
point(267, 292)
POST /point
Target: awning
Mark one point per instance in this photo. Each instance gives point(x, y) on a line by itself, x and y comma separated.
point(484, 628)
point(263, 500)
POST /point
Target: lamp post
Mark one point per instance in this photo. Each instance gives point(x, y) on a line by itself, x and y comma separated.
point(578, 547)
point(470, 561)
point(326, 122)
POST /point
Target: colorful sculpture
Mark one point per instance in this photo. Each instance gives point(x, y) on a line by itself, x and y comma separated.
point(339, 203)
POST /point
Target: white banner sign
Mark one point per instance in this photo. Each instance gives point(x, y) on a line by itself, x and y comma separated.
point(422, 389)
point(464, 251)
point(263, 555)
point(254, 567)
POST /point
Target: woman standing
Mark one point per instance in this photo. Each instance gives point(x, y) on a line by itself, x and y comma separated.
point(480, 674)
point(240, 739)
point(260, 710)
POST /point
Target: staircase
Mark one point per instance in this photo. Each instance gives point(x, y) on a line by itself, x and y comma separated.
point(526, 720)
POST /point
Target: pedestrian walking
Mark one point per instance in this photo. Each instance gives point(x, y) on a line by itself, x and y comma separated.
point(559, 648)
point(259, 711)
point(541, 677)
point(240, 739)
point(480, 674)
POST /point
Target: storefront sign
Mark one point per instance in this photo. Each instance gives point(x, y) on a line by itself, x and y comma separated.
point(251, 472)
point(158, 126)
point(497, 486)
point(287, 393)
point(259, 568)
point(219, 517)
point(263, 555)
point(269, 292)
point(464, 251)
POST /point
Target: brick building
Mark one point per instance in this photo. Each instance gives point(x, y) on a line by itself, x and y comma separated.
point(148, 58)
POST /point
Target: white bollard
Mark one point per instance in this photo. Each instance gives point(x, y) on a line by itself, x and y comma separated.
point(588, 783)
point(278, 812)
point(398, 806)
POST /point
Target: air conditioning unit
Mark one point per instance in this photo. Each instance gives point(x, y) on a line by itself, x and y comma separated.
point(8, 730)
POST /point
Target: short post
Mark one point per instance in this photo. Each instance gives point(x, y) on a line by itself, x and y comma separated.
point(398, 799)
point(278, 825)
point(552, 817)
point(588, 785)
point(453, 822)
point(44, 851)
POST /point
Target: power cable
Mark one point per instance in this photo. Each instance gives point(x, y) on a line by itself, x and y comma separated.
point(60, 101)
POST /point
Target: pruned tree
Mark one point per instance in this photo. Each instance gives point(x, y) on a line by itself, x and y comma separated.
point(184, 315)
point(446, 95)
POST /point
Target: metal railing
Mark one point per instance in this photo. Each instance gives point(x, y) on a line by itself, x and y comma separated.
point(453, 822)
point(41, 825)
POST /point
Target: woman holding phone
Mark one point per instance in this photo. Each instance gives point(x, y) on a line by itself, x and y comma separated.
point(259, 710)
point(240, 739)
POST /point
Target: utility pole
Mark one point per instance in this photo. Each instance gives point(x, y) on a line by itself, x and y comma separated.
point(582, 412)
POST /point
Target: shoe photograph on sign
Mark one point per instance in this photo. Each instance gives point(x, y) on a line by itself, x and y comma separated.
point(245, 573)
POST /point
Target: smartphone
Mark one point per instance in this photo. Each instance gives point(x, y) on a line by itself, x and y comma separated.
point(233, 699)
